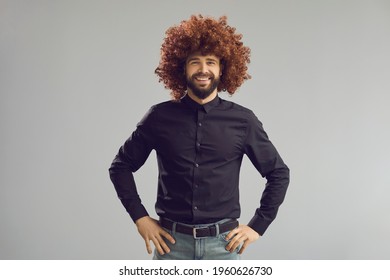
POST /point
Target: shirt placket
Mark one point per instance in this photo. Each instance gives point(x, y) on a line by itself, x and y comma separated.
point(197, 195)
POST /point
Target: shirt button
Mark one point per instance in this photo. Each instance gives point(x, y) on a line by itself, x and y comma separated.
point(196, 165)
point(195, 207)
point(196, 186)
point(200, 124)
point(198, 144)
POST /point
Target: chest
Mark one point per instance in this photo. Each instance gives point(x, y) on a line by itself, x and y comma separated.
point(214, 136)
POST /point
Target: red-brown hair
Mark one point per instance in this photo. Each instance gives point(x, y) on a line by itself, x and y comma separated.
point(209, 36)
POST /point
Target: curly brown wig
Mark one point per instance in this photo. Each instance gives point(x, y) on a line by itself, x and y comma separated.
point(209, 36)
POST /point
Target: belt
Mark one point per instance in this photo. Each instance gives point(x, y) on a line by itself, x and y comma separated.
point(199, 231)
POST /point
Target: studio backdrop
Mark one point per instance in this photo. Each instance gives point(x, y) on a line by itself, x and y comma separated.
point(77, 76)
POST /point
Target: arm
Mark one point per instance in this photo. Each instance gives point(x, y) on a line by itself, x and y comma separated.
point(270, 165)
point(131, 156)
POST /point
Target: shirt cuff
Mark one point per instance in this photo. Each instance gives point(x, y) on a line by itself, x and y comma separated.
point(259, 225)
point(135, 210)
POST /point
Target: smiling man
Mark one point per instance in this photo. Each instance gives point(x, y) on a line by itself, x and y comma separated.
point(200, 140)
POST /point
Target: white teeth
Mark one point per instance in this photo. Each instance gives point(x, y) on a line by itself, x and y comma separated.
point(202, 79)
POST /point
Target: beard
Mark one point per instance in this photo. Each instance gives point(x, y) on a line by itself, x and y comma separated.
point(202, 92)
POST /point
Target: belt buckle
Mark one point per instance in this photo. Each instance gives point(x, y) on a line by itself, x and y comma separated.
point(194, 229)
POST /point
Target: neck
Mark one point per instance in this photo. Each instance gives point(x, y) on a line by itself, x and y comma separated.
point(202, 101)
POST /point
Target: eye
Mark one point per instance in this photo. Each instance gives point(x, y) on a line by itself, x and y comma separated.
point(211, 62)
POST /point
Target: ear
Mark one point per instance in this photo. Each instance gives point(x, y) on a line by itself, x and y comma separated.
point(221, 68)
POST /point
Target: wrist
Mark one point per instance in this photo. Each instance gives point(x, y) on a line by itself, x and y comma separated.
point(140, 220)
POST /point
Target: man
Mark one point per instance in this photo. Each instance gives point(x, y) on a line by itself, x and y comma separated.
point(200, 140)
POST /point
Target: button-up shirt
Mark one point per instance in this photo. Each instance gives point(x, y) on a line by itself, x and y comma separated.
point(199, 151)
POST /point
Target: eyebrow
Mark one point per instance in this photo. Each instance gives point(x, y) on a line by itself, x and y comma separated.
point(197, 58)
point(212, 59)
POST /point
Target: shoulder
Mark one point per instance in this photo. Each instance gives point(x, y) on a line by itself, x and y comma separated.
point(229, 105)
point(170, 104)
point(159, 109)
point(235, 108)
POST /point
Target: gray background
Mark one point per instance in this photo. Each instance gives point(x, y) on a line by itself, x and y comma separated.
point(76, 77)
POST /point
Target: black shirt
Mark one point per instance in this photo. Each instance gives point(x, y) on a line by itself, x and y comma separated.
point(199, 152)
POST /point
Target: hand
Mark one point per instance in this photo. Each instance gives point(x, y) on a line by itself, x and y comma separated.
point(243, 233)
point(150, 230)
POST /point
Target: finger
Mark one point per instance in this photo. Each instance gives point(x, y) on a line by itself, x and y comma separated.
point(231, 244)
point(232, 241)
point(163, 245)
point(158, 246)
point(243, 247)
point(168, 236)
point(236, 241)
point(236, 237)
point(231, 234)
point(148, 248)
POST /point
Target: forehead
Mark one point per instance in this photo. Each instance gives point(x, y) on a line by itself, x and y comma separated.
point(199, 55)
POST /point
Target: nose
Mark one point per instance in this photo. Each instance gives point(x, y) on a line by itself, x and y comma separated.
point(202, 67)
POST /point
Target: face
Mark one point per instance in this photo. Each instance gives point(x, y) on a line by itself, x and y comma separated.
point(203, 74)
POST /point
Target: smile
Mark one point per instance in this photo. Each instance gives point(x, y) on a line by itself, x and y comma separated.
point(202, 78)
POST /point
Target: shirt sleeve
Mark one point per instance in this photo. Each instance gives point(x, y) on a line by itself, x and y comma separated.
point(270, 165)
point(131, 156)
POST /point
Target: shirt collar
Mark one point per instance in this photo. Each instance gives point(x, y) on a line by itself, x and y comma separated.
point(196, 106)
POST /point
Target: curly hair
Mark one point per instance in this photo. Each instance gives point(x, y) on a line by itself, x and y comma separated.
point(209, 36)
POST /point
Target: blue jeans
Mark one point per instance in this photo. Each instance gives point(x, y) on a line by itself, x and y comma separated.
point(205, 248)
